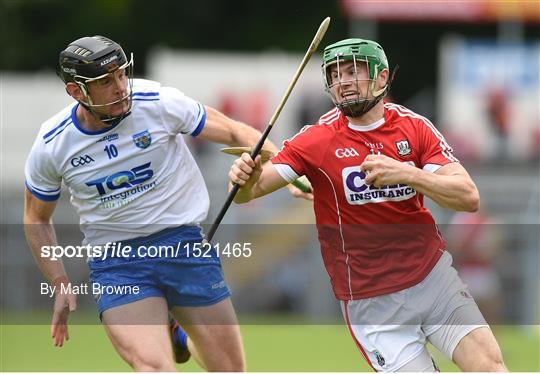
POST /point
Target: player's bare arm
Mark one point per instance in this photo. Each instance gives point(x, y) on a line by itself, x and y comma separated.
point(256, 180)
point(450, 186)
point(39, 232)
point(219, 128)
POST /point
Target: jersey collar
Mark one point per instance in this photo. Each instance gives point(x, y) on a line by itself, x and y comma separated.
point(369, 127)
point(86, 132)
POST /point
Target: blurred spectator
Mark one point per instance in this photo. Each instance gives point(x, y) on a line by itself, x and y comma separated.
point(475, 242)
point(497, 113)
point(310, 109)
point(536, 142)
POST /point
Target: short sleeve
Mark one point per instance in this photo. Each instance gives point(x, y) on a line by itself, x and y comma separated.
point(298, 155)
point(436, 152)
point(42, 179)
point(182, 114)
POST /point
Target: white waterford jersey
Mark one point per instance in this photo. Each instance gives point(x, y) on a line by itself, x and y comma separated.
point(129, 180)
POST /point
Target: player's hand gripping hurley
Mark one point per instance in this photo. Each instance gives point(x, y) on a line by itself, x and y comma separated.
point(257, 149)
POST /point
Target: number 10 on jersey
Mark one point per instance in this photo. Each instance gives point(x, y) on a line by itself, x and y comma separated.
point(111, 150)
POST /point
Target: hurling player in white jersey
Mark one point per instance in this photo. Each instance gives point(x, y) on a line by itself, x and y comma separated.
point(370, 163)
point(119, 150)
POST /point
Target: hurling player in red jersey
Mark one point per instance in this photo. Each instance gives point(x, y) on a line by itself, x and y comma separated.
point(370, 163)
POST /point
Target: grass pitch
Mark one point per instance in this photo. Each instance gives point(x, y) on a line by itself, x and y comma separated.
point(270, 347)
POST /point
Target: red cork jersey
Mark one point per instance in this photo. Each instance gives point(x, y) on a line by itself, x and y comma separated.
point(374, 241)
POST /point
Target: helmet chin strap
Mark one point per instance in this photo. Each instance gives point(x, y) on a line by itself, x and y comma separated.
point(361, 107)
point(104, 118)
point(358, 108)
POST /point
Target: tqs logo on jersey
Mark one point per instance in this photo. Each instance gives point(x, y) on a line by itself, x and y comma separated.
point(346, 152)
point(81, 160)
point(123, 179)
point(403, 148)
point(358, 192)
point(142, 139)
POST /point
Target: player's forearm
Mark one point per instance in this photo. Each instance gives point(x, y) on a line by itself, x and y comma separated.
point(247, 193)
point(268, 182)
point(245, 135)
point(39, 235)
point(244, 194)
point(456, 192)
point(221, 129)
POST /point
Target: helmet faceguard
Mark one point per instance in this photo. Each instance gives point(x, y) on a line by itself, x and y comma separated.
point(359, 52)
point(92, 58)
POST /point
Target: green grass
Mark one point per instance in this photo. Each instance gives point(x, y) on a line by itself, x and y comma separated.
point(268, 348)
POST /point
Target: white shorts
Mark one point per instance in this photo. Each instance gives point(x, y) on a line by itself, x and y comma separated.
point(392, 330)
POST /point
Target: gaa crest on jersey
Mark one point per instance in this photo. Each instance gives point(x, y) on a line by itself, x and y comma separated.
point(142, 139)
point(403, 148)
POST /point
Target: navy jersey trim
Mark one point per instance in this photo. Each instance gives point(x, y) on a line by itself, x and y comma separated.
point(86, 132)
point(41, 196)
point(56, 128)
point(145, 94)
point(200, 126)
point(58, 133)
